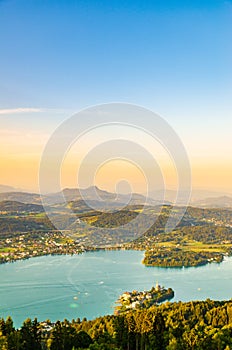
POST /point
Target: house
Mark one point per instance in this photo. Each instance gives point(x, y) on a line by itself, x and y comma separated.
point(157, 287)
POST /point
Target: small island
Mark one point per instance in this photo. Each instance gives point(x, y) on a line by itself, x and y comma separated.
point(142, 300)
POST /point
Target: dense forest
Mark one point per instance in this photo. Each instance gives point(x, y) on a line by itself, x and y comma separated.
point(175, 257)
point(199, 325)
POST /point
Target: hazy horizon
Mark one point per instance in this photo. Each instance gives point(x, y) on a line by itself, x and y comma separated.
point(194, 192)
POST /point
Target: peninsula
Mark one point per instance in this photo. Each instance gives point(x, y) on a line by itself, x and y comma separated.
point(142, 300)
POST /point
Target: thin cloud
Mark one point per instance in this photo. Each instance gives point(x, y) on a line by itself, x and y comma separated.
point(35, 110)
point(19, 110)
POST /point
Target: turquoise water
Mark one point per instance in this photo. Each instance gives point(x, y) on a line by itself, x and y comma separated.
point(87, 285)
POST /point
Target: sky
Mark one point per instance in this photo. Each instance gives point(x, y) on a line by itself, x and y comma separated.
point(172, 57)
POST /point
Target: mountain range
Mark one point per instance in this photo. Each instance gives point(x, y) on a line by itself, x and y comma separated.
point(103, 198)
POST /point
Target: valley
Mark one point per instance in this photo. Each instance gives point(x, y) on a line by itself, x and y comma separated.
point(202, 236)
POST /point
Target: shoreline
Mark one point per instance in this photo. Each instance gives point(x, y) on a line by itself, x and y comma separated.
point(155, 275)
point(88, 249)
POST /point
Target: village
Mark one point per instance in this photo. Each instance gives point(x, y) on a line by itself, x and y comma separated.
point(32, 244)
point(144, 299)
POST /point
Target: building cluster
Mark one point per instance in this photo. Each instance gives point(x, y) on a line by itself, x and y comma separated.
point(138, 300)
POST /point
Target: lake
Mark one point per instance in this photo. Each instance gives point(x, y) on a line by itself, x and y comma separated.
point(87, 285)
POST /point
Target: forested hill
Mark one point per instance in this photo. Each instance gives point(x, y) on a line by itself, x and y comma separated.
point(15, 207)
point(195, 325)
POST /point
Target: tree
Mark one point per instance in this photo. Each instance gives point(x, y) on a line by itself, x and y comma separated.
point(30, 338)
point(82, 340)
point(55, 341)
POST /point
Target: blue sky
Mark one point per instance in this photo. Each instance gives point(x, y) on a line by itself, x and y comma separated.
point(171, 56)
point(70, 54)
